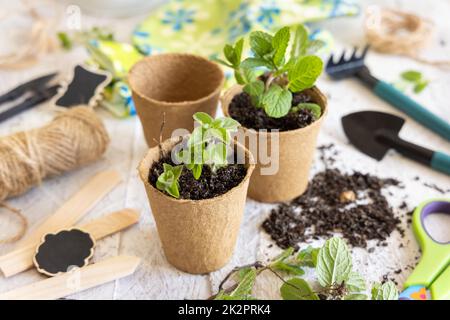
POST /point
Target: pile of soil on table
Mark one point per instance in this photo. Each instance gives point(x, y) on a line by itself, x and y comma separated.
point(242, 109)
point(335, 202)
point(209, 185)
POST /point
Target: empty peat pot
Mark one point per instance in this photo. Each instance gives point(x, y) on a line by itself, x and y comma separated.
point(178, 85)
point(198, 236)
point(295, 154)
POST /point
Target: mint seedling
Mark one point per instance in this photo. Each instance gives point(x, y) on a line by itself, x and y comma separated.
point(168, 180)
point(286, 72)
point(208, 143)
point(333, 267)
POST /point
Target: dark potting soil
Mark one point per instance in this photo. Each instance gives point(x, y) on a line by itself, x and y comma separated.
point(330, 205)
point(209, 184)
point(242, 109)
point(352, 204)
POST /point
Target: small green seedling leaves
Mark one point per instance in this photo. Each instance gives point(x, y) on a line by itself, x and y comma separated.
point(308, 257)
point(334, 263)
point(168, 180)
point(416, 79)
point(287, 72)
point(315, 109)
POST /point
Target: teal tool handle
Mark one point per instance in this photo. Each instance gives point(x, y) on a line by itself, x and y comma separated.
point(413, 109)
point(441, 161)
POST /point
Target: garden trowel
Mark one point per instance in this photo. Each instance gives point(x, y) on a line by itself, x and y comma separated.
point(374, 133)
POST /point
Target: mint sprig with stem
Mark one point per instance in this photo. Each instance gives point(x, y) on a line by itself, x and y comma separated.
point(207, 145)
point(333, 267)
point(287, 71)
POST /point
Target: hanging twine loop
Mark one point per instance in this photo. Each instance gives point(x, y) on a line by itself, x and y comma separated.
point(40, 39)
point(74, 138)
point(23, 224)
point(397, 32)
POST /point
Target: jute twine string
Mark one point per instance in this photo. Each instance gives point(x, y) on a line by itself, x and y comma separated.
point(41, 37)
point(74, 138)
point(397, 32)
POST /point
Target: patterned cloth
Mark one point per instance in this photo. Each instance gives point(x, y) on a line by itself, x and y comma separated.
point(203, 27)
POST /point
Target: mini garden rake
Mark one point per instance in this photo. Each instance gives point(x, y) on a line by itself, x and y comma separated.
point(354, 66)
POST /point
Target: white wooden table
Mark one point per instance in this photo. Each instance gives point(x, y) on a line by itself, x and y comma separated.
point(155, 278)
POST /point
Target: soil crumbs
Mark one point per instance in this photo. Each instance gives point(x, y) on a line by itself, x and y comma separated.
point(242, 109)
point(209, 185)
point(350, 204)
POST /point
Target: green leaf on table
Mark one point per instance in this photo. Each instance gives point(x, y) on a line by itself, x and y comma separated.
point(334, 263)
point(385, 291)
point(305, 73)
point(297, 289)
point(288, 268)
point(308, 257)
point(280, 43)
point(420, 86)
point(277, 101)
point(261, 43)
point(355, 282)
point(411, 76)
point(246, 283)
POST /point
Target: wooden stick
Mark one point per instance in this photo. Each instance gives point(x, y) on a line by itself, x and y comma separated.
point(22, 259)
point(76, 280)
point(76, 207)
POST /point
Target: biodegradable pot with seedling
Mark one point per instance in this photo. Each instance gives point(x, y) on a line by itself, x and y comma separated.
point(174, 86)
point(282, 98)
point(197, 194)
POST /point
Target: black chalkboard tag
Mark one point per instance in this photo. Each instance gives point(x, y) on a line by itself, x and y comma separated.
point(60, 252)
point(85, 88)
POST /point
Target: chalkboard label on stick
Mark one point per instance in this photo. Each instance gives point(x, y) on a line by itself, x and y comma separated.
point(61, 251)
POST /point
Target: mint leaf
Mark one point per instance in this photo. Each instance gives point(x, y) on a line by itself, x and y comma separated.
point(261, 43)
point(355, 296)
point(297, 289)
point(314, 46)
point(288, 268)
point(385, 291)
point(355, 282)
point(305, 73)
point(308, 257)
point(300, 42)
point(419, 87)
point(238, 48)
point(203, 118)
point(245, 286)
point(334, 263)
point(256, 63)
point(256, 91)
point(411, 76)
point(280, 43)
point(229, 53)
point(315, 109)
point(277, 101)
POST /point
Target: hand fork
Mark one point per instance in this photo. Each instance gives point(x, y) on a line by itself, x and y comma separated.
point(354, 66)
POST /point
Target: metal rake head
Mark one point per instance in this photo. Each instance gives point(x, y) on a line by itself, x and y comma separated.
point(346, 67)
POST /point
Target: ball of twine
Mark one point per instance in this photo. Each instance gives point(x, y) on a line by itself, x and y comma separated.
point(397, 32)
point(74, 138)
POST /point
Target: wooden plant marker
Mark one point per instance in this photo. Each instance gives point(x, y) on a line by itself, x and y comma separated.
point(21, 259)
point(76, 207)
point(77, 280)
